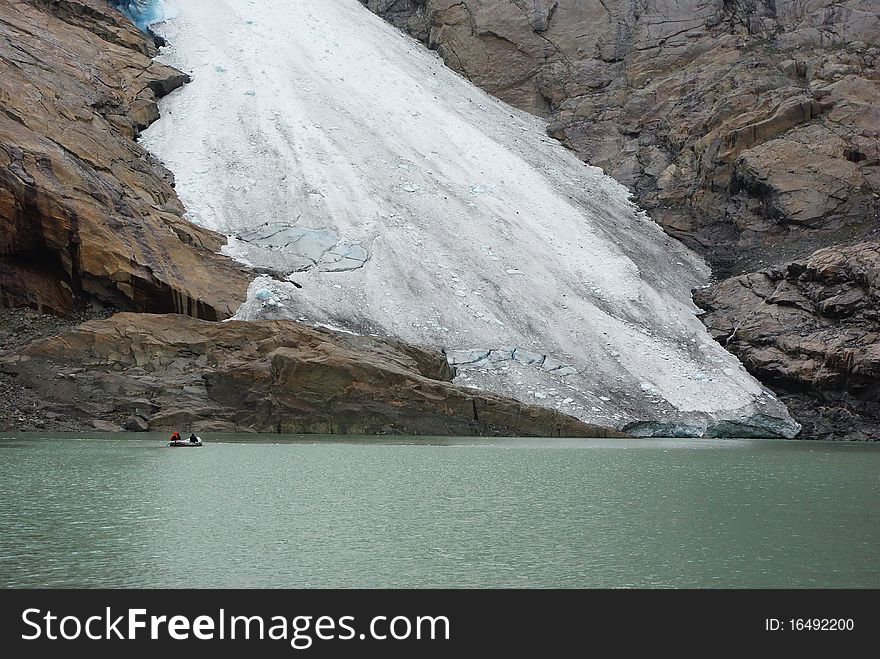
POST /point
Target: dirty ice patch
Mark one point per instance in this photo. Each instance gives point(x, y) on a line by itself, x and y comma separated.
point(287, 249)
point(496, 359)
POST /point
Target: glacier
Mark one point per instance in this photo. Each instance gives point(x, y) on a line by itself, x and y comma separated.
point(144, 13)
point(379, 192)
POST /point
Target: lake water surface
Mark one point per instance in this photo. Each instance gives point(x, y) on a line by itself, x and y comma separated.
point(125, 511)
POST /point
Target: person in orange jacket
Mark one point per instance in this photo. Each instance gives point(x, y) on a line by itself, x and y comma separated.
point(175, 437)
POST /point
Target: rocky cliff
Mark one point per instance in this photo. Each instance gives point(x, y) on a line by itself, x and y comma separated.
point(167, 372)
point(811, 326)
point(748, 129)
point(86, 212)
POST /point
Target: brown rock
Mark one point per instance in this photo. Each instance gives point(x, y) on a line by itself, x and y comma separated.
point(811, 330)
point(136, 424)
point(84, 211)
point(104, 426)
point(269, 376)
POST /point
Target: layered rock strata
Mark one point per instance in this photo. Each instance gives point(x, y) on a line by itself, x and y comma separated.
point(86, 212)
point(164, 372)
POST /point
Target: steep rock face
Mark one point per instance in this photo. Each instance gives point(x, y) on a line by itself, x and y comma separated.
point(810, 326)
point(172, 372)
point(85, 212)
point(747, 128)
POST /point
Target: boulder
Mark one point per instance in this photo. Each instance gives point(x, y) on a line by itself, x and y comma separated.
point(136, 424)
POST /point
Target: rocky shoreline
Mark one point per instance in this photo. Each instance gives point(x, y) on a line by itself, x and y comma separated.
point(142, 372)
point(810, 330)
point(24, 408)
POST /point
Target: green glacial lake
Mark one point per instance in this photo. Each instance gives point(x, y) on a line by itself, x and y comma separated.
point(125, 511)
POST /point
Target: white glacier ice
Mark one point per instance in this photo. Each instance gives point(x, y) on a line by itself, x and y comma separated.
point(398, 199)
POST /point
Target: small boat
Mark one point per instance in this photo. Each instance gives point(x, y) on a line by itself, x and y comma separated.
point(185, 442)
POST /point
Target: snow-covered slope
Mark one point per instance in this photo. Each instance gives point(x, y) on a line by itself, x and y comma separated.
point(403, 201)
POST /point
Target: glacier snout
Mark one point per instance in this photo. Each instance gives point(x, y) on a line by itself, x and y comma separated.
point(403, 201)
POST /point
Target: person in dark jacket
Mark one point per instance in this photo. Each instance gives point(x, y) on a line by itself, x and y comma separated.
point(193, 439)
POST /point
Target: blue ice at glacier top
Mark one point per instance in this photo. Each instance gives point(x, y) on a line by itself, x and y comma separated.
point(143, 13)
